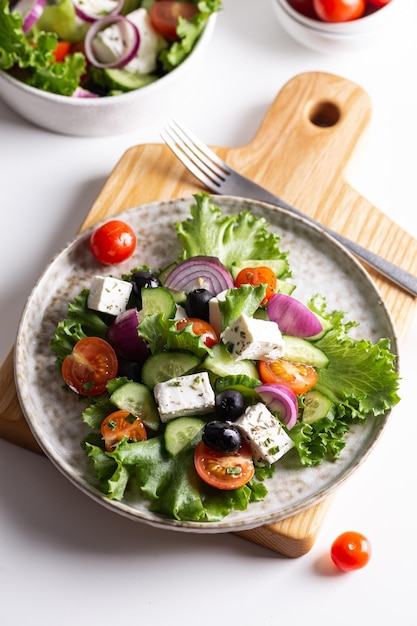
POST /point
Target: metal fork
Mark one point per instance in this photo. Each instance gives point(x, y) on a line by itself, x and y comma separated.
point(219, 178)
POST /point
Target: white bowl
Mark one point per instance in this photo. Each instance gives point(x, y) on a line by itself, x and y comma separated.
point(353, 36)
point(109, 115)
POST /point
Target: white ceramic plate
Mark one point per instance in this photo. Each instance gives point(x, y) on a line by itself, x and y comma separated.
point(319, 265)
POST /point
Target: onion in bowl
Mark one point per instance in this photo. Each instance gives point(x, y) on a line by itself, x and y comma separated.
point(292, 316)
point(125, 38)
point(124, 338)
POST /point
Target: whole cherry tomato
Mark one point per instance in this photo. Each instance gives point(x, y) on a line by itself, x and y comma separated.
point(113, 242)
point(350, 551)
point(339, 10)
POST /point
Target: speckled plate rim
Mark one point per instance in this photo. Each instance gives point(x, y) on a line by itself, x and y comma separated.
point(337, 275)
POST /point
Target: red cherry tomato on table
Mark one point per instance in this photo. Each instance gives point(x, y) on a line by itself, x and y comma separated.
point(350, 551)
point(113, 242)
point(339, 10)
point(200, 327)
point(90, 366)
point(305, 7)
point(255, 276)
point(224, 470)
point(165, 13)
point(297, 376)
point(120, 425)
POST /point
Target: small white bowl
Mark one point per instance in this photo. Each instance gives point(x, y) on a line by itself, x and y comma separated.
point(110, 115)
point(353, 36)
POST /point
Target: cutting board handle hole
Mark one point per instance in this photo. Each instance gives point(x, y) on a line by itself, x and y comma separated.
point(324, 114)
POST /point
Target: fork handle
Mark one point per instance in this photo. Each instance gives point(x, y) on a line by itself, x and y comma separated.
point(396, 274)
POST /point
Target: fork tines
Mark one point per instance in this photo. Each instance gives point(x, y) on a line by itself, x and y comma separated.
point(195, 155)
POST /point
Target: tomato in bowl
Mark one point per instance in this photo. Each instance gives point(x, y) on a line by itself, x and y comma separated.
point(351, 25)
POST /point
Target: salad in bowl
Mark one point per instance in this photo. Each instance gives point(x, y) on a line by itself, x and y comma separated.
point(98, 48)
point(202, 388)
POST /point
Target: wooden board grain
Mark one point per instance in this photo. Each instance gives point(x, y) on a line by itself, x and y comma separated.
point(300, 152)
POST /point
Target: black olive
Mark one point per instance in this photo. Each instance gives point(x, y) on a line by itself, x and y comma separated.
point(197, 305)
point(130, 369)
point(222, 437)
point(230, 404)
point(143, 278)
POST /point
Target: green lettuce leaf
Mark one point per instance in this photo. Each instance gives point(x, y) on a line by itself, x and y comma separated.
point(209, 232)
point(360, 376)
point(188, 32)
point(80, 322)
point(169, 483)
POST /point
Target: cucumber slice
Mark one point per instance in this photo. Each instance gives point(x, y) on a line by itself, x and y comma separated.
point(302, 351)
point(163, 366)
point(157, 300)
point(316, 407)
point(180, 432)
point(220, 362)
point(139, 401)
point(127, 81)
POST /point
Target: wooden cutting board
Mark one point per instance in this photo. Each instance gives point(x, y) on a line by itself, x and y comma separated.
point(300, 152)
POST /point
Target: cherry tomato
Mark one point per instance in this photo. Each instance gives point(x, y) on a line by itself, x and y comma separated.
point(90, 366)
point(224, 470)
point(113, 242)
point(165, 13)
point(258, 276)
point(350, 551)
point(62, 49)
point(200, 327)
point(379, 3)
point(305, 7)
point(339, 10)
point(297, 376)
point(120, 425)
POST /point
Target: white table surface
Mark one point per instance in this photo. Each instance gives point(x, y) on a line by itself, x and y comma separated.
point(66, 560)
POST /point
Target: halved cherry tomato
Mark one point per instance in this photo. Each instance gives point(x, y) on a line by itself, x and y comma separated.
point(90, 366)
point(297, 376)
point(200, 327)
point(113, 242)
point(255, 276)
point(165, 13)
point(62, 49)
point(339, 10)
point(120, 425)
point(224, 470)
point(350, 551)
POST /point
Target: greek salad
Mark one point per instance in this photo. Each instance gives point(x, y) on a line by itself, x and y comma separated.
point(198, 378)
point(96, 48)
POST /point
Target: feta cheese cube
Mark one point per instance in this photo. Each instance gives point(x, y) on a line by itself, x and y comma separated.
point(184, 395)
point(215, 316)
point(265, 435)
point(109, 295)
point(256, 339)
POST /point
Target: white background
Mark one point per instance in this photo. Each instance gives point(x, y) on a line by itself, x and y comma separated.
point(66, 560)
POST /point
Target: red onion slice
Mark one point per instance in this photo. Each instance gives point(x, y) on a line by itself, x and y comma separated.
point(293, 317)
point(84, 93)
point(129, 35)
point(281, 400)
point(124, 338)
point(30, 10)
point(97, 12)
point(198, 272)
